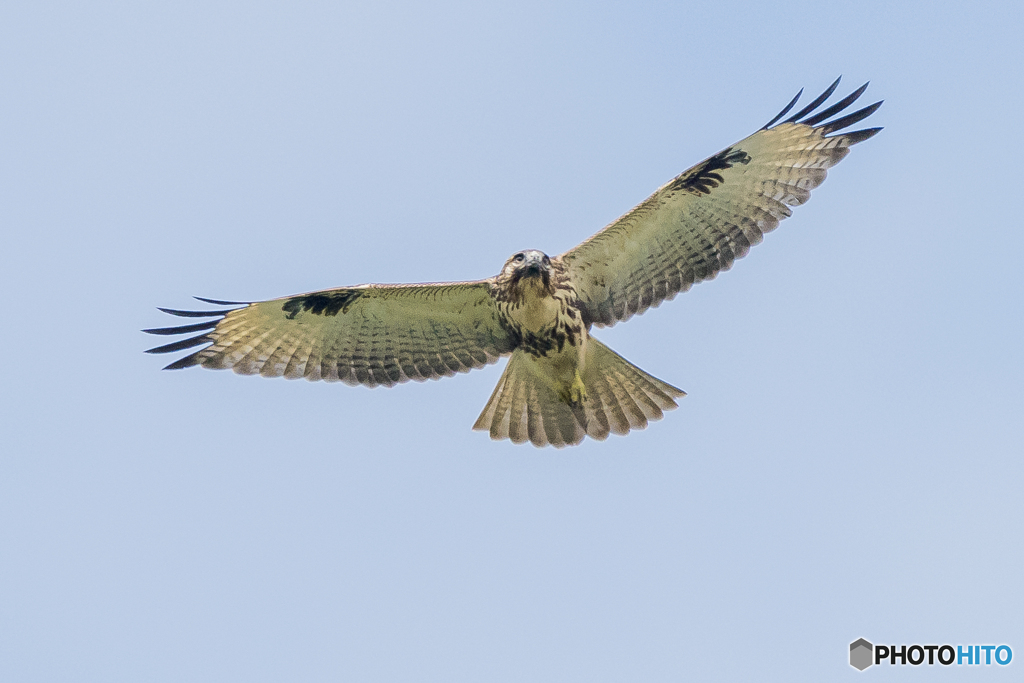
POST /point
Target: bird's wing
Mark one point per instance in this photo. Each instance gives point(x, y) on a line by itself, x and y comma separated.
point(701, 221)
point(368, 334)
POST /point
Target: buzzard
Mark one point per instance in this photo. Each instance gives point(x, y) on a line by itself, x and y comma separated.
point(561, 384)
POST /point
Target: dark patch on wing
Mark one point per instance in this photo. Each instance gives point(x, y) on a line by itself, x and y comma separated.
point(322, 303)
point(704, 178)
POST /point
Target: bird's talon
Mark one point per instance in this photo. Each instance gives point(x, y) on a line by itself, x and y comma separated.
point(576, 394)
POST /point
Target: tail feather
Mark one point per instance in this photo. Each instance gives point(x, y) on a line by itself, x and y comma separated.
point(610, 411)
point(526, 405)
point(536, 425)
point(598, 426)
point(518, 424)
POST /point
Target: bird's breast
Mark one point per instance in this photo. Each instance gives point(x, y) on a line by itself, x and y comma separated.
point(536, 313)
point(545, 323)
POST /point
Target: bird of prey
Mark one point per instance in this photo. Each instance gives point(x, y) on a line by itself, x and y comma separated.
point(560, 384)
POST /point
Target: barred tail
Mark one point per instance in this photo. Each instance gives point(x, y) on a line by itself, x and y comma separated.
point(527, 406)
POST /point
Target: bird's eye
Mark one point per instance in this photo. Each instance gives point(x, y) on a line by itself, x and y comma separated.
point(519, 257)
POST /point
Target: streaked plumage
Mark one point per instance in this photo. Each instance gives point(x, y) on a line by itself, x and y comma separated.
point(560, 384)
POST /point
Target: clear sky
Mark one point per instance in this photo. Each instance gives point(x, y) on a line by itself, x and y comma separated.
point(848, 462)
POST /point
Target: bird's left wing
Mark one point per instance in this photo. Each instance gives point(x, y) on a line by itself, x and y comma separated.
point(367, 334)
point(697, 224)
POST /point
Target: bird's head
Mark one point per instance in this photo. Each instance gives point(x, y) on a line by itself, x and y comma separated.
point(530, 268)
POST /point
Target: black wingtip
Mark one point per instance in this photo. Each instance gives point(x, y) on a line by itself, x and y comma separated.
point(785, 110)
point(180, 345)
point(808, 117)
point(218, 302)
point(214, 319)
point(850, 119)
point(835, 108)
point(188, 361)
point(817, 101)
point(861, 135)
point(183, 329)
point(195, 314)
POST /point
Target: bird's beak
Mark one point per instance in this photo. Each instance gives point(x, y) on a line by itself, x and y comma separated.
point(535, 270)
point(534, 266)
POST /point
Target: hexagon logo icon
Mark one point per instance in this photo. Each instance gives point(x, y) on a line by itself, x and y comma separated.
point(861, 654)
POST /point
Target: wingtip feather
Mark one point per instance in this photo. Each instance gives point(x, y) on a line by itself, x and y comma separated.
point(815, 103)
point(183, 329)
point(850, 119)
point(194, 314)
point(861, 135)
point(807, 115)
point(180, 345)
point(785, 110)
point(835, 108)
point(219, 302)
point(187, 362)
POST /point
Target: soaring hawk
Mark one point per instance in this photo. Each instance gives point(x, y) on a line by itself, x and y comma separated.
point(560, 384)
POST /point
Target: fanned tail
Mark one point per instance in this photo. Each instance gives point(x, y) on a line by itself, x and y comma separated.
point(527, 406)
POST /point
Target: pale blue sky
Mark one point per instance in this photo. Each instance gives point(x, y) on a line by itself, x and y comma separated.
point(848, 462)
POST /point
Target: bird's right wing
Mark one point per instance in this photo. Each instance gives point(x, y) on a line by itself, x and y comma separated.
point(368, 334)
point(697, 224)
